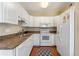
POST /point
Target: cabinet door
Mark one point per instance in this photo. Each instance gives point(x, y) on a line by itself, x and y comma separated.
point(66, 38)
point(31, 21)
point(25, 48)
point(36, 38)
point(25, 15)
point(9, 12)
point(8, 52)
point(19, 11)
point(37, 21)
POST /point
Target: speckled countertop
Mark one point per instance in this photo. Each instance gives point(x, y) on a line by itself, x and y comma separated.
point(12, 41)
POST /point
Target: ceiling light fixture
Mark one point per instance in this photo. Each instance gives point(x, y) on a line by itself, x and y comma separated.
point(44, 4)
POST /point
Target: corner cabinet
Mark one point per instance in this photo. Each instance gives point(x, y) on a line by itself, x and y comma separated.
point(25, 48)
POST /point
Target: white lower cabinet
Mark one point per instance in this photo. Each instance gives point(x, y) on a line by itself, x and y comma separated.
point(36, 38)
point(7, 52)
point(25, 48)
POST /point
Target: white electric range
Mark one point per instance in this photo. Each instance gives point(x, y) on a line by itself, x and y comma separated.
point(46, 38)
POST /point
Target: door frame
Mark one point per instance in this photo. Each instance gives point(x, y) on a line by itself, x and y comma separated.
point(72, 38)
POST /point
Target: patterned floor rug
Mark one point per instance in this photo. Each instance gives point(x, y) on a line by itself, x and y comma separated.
point(46, 51)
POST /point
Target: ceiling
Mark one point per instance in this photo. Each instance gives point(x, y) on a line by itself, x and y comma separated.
point(53, 9)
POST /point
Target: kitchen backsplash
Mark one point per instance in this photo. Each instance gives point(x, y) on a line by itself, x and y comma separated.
point(9, 29)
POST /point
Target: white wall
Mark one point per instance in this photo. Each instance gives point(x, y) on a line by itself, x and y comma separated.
point(65, 34)
point(76, 29)
point(0, 11)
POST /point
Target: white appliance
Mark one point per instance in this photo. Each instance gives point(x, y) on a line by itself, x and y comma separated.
point(45, 36)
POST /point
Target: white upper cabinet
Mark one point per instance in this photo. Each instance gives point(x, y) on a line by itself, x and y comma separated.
point(25, 15)
point(19, 11)
point(9, 12)
point(31, 21)
point(36, 21)
point(22, 15)
point(51, 21)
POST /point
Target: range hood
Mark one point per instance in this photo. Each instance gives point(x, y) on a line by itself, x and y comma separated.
point(44, 24)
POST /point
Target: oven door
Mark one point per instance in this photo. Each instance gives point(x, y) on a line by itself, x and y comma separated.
point(45, 40)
